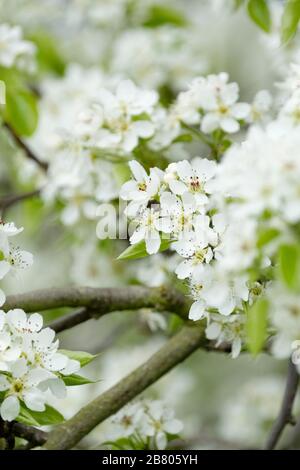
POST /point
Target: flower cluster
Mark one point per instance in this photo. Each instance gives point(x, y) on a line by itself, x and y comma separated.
point(12, 259)
point(118, 120)
point(176, 205)
point(146, 424)
point(14, 50)
point(30, 364)
point(110, 122)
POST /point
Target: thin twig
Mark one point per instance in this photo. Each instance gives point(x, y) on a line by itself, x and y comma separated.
point(28, 152)
point(8, 201)
point(70, 320)
point(285, 414)
point(176, 350)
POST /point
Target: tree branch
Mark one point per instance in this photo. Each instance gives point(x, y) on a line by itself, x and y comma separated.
point(176, 350)
point(99, 301)
point(285, 414)
point(9, 201)
point(28, 152)
point(36, 437)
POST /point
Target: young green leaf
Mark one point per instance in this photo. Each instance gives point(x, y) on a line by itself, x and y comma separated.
point(266, 236)
point(256, 326)
point(21, 110)
point(160, 15)
point(289, 266)
point(139, 250)
point(290, 20)
point(48, 54)
point(83, 357)
point(39, 418)
point(259, 12)
point(74, 379)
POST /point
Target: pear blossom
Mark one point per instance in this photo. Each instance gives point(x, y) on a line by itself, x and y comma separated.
point(193, 177)
point(147, 229)
point(30, 363)
point(118, 121)
point(151, 421)
point(141, 189)
point(229, 329)
point(14, 50)
point(12, 259)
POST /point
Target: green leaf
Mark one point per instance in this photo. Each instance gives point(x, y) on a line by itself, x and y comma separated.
point(139, 250)
point(74, 379)
point(238, 4)
point(48, 54)
point(183, 138)
point(39, 418)
point(159, 15)
point(2, 93)
point(21, 110)
point(289, 266)
point(256, 326)
point(83, 357)
point(266, 236)
point(290, 20)
point(259, 12)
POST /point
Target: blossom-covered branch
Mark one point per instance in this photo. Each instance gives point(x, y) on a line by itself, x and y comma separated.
point(176, 350)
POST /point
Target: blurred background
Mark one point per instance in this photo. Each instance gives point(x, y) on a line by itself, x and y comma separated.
point(82, 45)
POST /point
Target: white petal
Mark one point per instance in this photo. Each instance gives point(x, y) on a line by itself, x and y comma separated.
point(4, 268)
point(152, 244)
point(19, 368)
point(213, 330)
point(10, 408)
point(4, 383)
point(2, 298)
point(184, 269)
point(137, 170)
point(177, 187)
point(143, 129)
point(34, 399)
point(197, 310)
point(229, 125)
point(35, 322)
point(210, 122)
point(174, 426)
point(161, 440)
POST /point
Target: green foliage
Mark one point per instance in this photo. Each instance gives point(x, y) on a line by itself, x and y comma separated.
point(39, 418)
point(266, 236)
point(48, 56)
point(259, 13)
point(139, 250)
point(74, 380)
point(83, 357)
point(256, 326)
point(21, 109)
point(289, 266)
point(290, 20)
point(159, 15)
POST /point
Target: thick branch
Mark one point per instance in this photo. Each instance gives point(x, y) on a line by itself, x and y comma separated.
point(176, 350)
point(285, 414)
point(28, 152)
point(99, 301)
